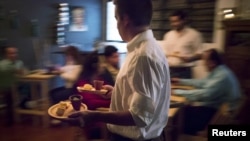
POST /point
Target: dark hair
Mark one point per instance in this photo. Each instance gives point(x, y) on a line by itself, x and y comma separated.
point(180, 13)
point(91, 60)
point(74, 52)
point(139, 11)
point(215, 56)
point(90, 66)
point(109, 50)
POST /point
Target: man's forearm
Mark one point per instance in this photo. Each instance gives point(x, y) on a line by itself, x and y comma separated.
point(118, 118)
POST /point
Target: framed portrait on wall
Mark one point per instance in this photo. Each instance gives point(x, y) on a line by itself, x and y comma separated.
point(77, 19)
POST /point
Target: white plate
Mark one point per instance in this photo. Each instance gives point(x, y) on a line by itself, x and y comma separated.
point(52, 111)
point(93, 91)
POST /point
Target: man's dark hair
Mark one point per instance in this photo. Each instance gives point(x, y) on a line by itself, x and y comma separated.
point(180, 13)
point(109, 50)
point(139, 11)
point(215, 56)
point(74, 52)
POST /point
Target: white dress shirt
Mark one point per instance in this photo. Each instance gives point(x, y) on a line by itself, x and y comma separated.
point(142, 87)
point(186, 43)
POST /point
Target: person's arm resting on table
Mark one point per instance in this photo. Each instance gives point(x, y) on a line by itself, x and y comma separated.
point(197, 83)
point(211, 90)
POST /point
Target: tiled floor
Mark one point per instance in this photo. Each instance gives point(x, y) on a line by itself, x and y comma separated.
point(26, 132)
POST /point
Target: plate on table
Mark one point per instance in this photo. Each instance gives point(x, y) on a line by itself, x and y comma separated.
point(93, 90)
point(183, 87)
point(52, 110)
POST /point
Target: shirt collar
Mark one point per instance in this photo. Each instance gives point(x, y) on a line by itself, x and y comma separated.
point(148, 34)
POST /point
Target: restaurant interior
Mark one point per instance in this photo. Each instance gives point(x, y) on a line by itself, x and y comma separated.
point(41, 30)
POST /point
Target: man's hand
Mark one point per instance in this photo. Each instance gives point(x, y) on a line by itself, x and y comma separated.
point(81, 118)
point(109, 89)
point(191, 58)
point(186, 58)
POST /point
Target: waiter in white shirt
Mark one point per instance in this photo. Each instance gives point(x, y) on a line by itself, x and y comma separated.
point(182, 45)
point(141, 95)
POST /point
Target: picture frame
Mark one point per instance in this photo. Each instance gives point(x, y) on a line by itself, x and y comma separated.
point(77, 19)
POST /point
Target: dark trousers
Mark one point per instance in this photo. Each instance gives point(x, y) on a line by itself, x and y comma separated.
point(116, 137)
point(7, 99)
point(196, 118)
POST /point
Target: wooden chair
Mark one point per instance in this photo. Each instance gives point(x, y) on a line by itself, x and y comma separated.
point(224, 117)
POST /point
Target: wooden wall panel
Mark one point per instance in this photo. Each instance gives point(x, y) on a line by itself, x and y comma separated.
point(200, 12)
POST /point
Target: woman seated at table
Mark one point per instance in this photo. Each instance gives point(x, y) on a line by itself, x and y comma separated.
point(93, 71)
point(69, 73)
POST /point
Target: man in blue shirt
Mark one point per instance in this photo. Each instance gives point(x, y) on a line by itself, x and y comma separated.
point(218, 87)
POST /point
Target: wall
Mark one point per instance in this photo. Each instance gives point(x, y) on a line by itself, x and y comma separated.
point(45, 12)
point(218, 35)
point(219, 32)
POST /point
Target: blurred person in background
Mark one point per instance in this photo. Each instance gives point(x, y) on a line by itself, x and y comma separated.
point(182, 45)
point(94, 71)
point(139, 101)
point(210, 93)
point(11, 63)
point(69, 73)
point(111, 65)
point(10, 67)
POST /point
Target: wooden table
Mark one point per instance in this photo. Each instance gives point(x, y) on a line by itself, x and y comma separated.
point(34, 78)
point(173, 111)
point(175, 120)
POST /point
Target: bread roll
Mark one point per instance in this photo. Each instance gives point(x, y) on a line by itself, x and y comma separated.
point(61, 108)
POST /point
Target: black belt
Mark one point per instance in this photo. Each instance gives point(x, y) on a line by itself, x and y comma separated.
point(116, 137)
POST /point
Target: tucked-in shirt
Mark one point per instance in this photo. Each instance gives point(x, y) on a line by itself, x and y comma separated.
point(70, 74)
point(143, 88)
point(185, 43)
point(218, 87)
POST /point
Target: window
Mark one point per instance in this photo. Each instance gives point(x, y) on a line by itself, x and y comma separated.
point(63, 20)
point(112, 33)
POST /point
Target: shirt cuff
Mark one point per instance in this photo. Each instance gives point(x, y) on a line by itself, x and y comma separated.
point(142, 110)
